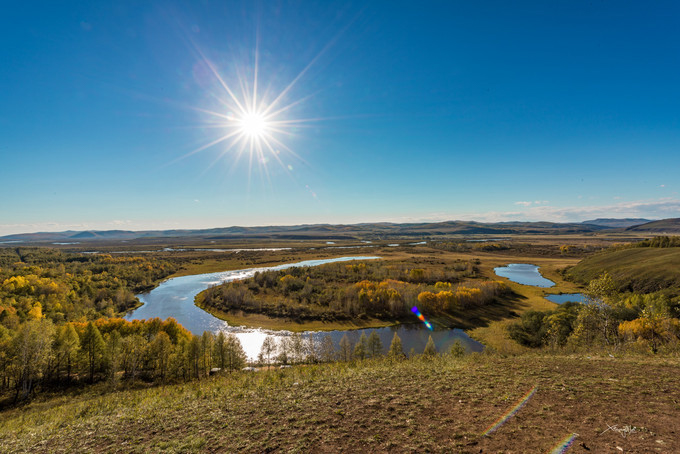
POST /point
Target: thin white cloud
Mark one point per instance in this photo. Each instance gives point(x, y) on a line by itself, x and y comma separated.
point(651, 209)
point(526, 204)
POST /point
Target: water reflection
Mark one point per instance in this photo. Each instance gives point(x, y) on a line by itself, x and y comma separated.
point(175, 298)
point(567, 298)
point(523, 273)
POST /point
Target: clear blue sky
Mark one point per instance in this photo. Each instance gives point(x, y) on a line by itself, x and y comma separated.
point(422, 111)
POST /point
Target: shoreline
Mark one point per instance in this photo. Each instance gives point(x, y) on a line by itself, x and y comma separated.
point(276, 324)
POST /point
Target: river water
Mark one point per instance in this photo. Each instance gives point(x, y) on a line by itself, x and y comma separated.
point(524, 273)
point(175, 298)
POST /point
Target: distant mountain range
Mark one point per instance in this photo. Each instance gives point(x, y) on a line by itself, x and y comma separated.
point(355, 231)
point(617, 223)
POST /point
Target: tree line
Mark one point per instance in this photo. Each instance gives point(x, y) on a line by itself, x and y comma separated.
point(296, 349)
point(609, 319)
point(343, 292)
point(42, 355)
point(43, 282)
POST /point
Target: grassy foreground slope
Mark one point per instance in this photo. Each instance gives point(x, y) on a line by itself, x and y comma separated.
point(443, 404)
point(641, 270)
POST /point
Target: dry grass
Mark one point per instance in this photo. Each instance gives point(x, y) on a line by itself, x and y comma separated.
point(440, 405)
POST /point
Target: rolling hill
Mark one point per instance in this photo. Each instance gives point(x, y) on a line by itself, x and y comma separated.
point(641, 269)
point(318, 231)
point(661, 227)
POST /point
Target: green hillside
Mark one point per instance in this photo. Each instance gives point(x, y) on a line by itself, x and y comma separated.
point(641, 270)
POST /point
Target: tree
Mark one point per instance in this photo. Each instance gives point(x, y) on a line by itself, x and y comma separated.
point(133, 350)
point(193, 356)
point(430, 349)
point(113, 353)
point(235, 357)
point(345, 351)
point(220, 352)
point(297, 348)
point(160, 350)
point(311, 349)
point(67, 344)
point(375, 347)
point(327, 350)
point(457, 350)
point(92, 347)
point(267, 350)
point(361, 347)
point(396, 350)
point(31, 348)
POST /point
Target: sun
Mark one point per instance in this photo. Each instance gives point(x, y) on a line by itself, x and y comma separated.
point(254, 125)
point(251, 122)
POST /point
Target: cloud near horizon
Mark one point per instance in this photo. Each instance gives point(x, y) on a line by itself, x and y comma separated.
point(650, 209)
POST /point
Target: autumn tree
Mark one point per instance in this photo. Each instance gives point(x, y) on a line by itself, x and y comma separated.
point(92, 348)
point(361, 347)
point(345, 349)
point(327, 349)
point(375, 347)
point(32, 347)
point(430, 349)
point(396, 349)
point(66, 346)
point(160, 350)
point(235, 357)
point(267, 350)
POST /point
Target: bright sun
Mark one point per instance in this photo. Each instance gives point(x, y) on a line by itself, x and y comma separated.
point(253, 125)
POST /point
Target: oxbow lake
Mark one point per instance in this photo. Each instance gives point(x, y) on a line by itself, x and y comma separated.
point(526, 274)
point(175, 298)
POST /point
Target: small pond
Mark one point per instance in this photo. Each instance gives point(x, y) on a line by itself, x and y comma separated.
point(567, 298)
point(524, 273)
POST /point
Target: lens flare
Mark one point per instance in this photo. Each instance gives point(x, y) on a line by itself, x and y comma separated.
point(421, 317)
point(249, 120)
point(510, 413)
point(564, 444)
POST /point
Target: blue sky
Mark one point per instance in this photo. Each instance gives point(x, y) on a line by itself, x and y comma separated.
point(412, 111)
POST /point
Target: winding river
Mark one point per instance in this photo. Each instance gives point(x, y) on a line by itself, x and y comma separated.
point(526, 274)
point(175, 298)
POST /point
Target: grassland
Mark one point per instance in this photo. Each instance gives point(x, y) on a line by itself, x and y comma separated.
point(640, 270)
point(445, 404)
